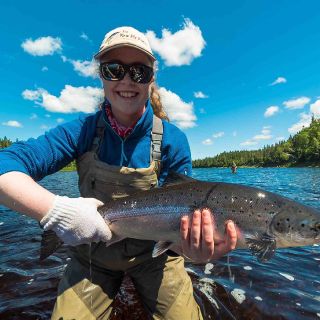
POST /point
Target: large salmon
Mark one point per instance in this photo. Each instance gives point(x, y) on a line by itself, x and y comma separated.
point(265, 220)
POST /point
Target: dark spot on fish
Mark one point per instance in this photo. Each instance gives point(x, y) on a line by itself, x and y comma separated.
point(288, 219)
point(302, 225)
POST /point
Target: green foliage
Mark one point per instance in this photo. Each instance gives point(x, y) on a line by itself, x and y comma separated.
point(5, 142)
point(301, 149)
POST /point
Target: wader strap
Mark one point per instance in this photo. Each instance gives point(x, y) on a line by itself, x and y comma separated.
point(156, 141)
point(97, 140)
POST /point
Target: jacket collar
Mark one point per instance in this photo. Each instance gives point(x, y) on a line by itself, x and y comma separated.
point(143, 125)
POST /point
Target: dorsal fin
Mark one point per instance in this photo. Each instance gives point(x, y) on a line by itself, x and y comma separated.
point(175, 178)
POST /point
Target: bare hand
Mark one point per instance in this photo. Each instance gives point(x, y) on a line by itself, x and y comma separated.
point(198, 241)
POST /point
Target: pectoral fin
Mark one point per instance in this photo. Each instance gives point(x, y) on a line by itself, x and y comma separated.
point(160, 248)
point(262, 246)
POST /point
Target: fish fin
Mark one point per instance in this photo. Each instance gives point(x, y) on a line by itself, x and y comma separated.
point(50, 242)
point(263, 246)
point(160, 248)
point(174, 178)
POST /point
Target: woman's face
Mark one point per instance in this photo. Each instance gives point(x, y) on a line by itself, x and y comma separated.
point(126, 97)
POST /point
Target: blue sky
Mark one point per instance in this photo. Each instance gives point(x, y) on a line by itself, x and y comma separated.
point(233, 75)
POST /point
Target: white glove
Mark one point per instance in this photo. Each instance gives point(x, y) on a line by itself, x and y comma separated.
point(76, 221)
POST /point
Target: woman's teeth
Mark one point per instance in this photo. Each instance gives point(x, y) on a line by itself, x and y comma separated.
point(127, 94)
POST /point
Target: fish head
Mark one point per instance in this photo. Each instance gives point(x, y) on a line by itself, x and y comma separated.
point(296, 225)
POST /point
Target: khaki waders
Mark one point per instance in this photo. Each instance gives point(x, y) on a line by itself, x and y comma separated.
point(95, 272)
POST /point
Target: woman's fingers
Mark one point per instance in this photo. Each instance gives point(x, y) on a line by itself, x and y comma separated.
point(229, 243)
point(207, 242)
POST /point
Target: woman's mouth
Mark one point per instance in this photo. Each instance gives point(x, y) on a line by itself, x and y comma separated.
point(127, 94)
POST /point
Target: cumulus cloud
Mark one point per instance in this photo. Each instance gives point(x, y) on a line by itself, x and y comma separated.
point(248, 143)
point(315, 108)
point(264, 135)
point(12, 123)
point(179, 48)
point(71, 99)
point(84, 68)
point(271, 111)
point(278, 80)
point(218, 134)
point(207, 142)
point(200, 95)
point(298, 103)
point(44, 46)
point(180, 112)
point(305, 120)
point(84, 36)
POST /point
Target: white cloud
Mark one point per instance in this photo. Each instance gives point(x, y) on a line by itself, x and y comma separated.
point(44, 69)
point(84, 36)
point(60, 120)
point(315, 108)
point(31, 94)
point(264, 135)
point(278, 80)
point(200, 95)
point(296, 103)
point(248, 143)
point(305, 120)
point(179, 48)
point(33, 116)
point(43, 46)
point(207, 142)
point(180, 112)
point(272, 110)
point(218, 134)
point(12, 123)
point(71, 99)
point(84, 68)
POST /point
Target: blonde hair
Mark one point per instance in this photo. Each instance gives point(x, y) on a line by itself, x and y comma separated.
point(156, 104)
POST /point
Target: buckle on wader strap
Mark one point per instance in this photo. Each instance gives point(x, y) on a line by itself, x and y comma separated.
point(156, 142)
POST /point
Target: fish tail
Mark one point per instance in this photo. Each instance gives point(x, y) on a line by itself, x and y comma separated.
point(50, 242)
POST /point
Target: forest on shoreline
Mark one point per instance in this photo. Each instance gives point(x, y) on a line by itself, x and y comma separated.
point(302, 149)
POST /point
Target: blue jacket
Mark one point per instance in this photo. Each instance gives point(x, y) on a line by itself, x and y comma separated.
point(55, 149)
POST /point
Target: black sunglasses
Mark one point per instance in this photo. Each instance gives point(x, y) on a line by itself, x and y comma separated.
point(115, 71)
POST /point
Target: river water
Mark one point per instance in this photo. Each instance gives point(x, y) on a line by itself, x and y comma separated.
point(235, 287)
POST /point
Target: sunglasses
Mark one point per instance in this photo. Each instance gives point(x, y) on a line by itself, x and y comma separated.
point(115, 71)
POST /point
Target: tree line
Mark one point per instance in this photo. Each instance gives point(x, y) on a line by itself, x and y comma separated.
point(299, 150)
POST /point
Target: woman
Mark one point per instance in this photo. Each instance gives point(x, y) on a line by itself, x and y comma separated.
point(122, 148)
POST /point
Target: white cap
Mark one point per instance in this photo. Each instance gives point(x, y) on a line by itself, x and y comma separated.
point(125, 37)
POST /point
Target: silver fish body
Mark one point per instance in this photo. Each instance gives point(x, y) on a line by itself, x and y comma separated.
point(264, 220)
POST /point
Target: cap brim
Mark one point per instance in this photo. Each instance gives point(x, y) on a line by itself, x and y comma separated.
point(102, 52)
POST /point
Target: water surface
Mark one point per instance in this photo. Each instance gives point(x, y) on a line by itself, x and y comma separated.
point(235, 287)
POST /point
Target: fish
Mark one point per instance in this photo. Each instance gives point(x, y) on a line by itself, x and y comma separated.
point(264, 220)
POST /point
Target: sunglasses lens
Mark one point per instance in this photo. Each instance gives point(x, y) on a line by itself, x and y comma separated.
point(112, 71)
point(115, 71)
point(140, 73)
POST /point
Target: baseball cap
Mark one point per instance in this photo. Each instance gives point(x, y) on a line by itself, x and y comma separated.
point(122, 37)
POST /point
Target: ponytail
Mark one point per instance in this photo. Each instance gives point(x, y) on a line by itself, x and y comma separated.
point(156, 104)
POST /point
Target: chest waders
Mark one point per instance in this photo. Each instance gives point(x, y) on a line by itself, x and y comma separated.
point(95, 272)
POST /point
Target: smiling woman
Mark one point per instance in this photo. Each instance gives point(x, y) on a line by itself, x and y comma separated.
point(125, 147)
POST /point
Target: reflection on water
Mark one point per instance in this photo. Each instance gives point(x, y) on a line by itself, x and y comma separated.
point(235, 287)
